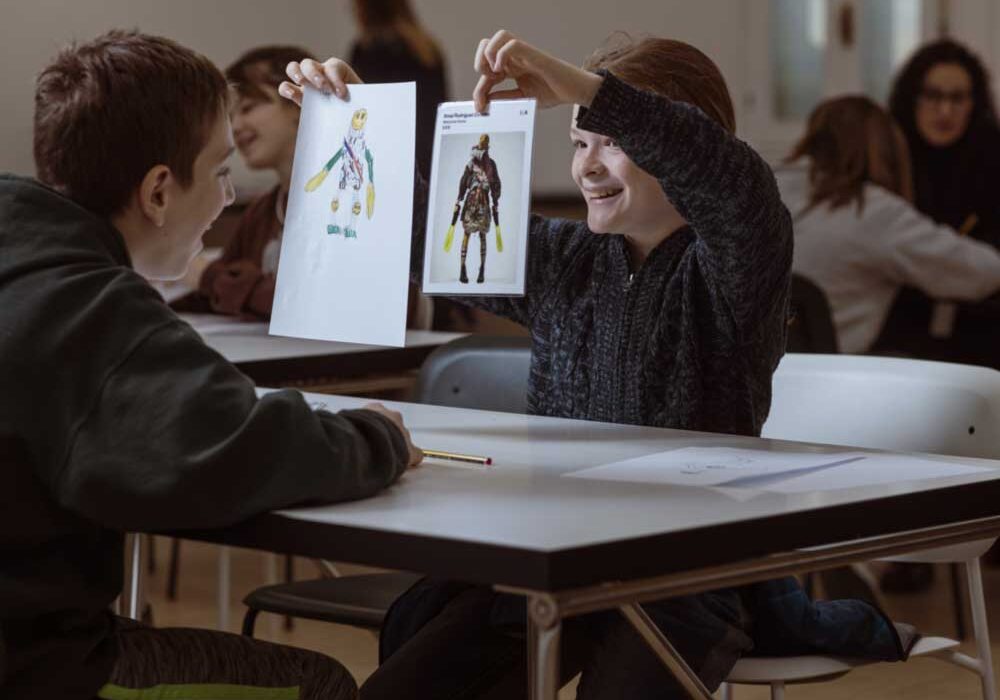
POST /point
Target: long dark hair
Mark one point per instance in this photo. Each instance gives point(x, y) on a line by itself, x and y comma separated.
point(910, 81)
point(851, 141)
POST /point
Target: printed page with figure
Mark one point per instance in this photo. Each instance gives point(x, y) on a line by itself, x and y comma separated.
point(480, 191)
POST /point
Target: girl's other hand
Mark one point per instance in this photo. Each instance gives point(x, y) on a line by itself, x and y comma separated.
point(546, 78)
point(332, 76)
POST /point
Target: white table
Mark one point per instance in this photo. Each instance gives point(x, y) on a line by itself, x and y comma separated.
point(574, 546)
point(314, 364)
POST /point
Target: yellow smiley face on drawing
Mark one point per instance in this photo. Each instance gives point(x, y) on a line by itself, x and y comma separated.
point(359, 119)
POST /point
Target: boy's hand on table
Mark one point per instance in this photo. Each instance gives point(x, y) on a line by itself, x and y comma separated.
point(416, 455)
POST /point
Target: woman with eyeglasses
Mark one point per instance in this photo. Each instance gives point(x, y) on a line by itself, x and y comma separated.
point(943, 102)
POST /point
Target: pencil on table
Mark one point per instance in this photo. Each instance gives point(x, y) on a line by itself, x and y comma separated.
point(458, 457)
point(970, 223)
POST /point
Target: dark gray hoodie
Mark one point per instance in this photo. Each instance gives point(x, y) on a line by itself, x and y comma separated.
point(115, 416)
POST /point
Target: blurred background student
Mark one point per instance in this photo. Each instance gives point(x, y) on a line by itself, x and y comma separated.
point(943, 102)
point(393, 47)
point(242, 280)
point(848, 187)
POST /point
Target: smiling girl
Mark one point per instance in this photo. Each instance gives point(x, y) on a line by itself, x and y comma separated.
point(242, 280)
point(666, 307)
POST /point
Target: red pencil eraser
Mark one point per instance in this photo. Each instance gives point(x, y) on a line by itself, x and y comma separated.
point(489, 461)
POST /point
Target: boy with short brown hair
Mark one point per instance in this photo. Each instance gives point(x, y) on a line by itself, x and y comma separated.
point(115, 416)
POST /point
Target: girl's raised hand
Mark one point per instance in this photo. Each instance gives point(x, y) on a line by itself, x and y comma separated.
point(330, 76)
point(546, 78)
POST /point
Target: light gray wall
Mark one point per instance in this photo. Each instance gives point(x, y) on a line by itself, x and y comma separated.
point(31, 31)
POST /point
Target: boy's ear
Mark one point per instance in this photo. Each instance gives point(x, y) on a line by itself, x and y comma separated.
point(154, 194)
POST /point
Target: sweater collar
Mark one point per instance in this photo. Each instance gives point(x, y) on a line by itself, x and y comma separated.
point(665, 250)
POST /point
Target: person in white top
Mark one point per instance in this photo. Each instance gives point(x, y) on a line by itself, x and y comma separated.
point(858, 237)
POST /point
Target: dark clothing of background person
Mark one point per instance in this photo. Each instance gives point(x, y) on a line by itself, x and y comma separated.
point(951, 185)
point(955, 185)
point(390, 60)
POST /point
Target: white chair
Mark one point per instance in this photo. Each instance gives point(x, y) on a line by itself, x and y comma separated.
point(891, 404)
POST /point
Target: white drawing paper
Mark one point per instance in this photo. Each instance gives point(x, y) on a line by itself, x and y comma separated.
point(477, 214)
point(343, 273)
point(764, 470)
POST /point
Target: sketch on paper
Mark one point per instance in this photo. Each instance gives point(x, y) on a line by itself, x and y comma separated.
point(353, 174)
point(343, 273)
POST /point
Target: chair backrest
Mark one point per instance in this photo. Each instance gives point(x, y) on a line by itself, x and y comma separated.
point(810, 328)
point(478, 371)
point(887, 403)
point(892, 404)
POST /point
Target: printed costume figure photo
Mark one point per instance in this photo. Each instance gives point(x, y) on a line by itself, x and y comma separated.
point(352, 174)
point(479, 185)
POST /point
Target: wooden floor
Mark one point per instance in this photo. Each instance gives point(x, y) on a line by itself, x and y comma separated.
point(356, 649)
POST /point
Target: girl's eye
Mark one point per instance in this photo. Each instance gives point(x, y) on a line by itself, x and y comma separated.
point(578, 144)
point(611, 143)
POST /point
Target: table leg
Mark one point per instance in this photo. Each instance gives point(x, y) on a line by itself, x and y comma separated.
point(222, 613)
point(136, 582)
point(531, 653)
point(695, 689)
point(544, 630)
point(129, 603)
point(271, 577)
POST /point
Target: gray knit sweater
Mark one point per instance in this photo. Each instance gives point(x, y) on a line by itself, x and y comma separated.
point(692, 338)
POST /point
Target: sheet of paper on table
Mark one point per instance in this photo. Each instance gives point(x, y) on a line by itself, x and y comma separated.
point(782, 472)
point(344, 268)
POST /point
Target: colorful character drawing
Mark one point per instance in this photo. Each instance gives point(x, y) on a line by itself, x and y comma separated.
point(480, 183)
point(352, 174)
